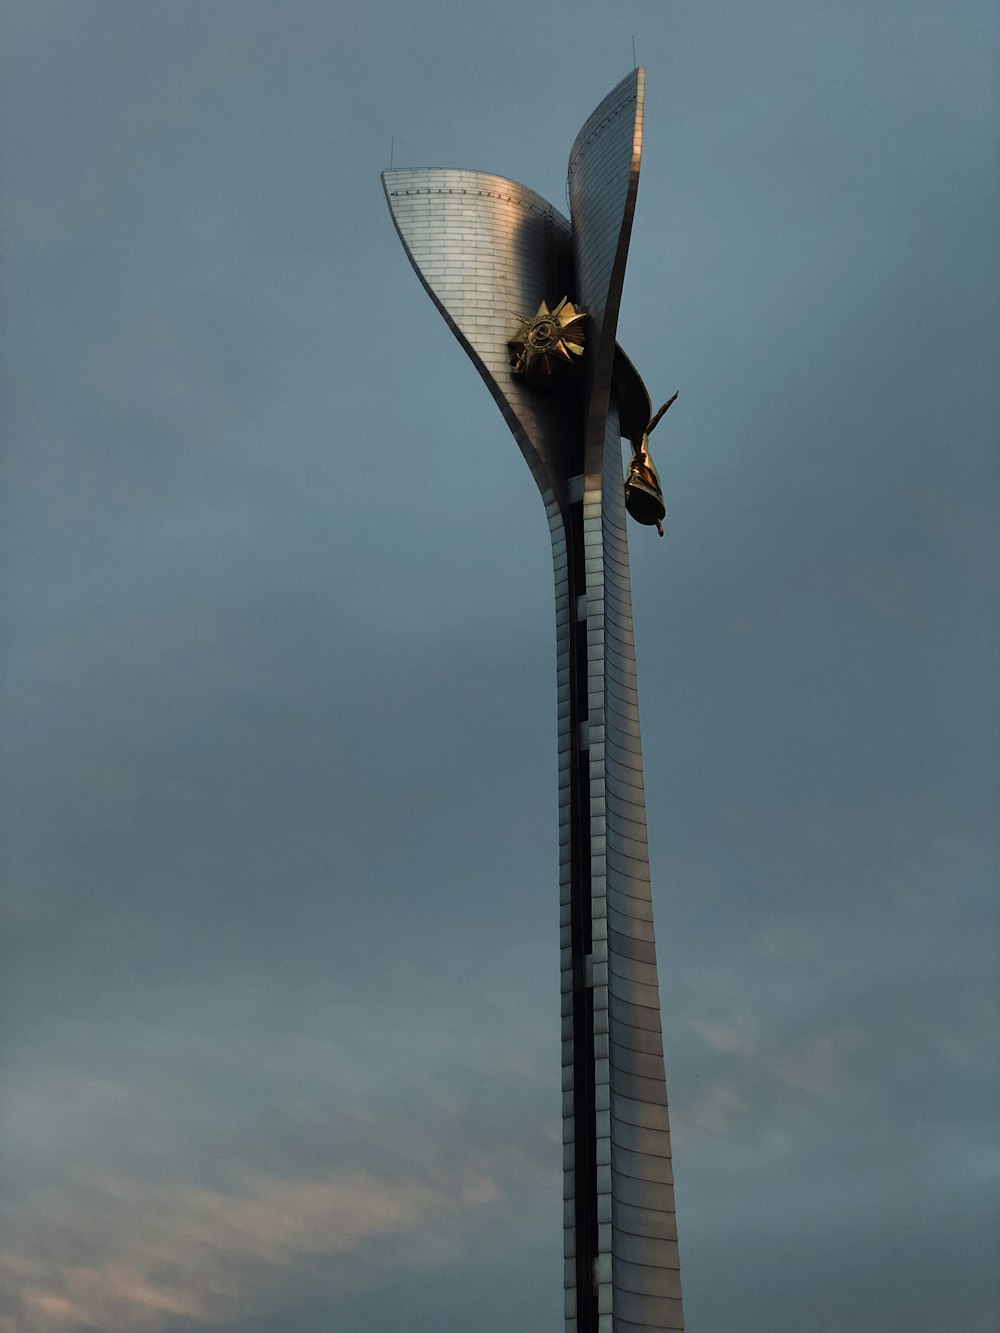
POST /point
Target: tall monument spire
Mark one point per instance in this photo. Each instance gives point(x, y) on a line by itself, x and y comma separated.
point(533, 298)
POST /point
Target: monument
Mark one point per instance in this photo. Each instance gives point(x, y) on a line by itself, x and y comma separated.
point(533, 298)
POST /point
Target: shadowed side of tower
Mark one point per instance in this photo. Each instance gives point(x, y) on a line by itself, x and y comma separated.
point(488, 251)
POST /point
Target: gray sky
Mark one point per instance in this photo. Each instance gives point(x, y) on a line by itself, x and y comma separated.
point(281, 985)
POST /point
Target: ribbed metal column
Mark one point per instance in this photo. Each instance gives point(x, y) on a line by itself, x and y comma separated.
point(487, 249)
point(622, 1266)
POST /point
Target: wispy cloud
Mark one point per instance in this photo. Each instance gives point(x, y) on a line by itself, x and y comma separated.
point(117, 1253)
point(759, 1077)
point(711, 1111)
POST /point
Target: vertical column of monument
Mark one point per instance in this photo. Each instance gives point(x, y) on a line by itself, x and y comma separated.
point(645, 1268)
point(622, 1257)
point(636, 1278)
point(487, 249)
point(601, 177)
point(580, 1107)
point(573, 925)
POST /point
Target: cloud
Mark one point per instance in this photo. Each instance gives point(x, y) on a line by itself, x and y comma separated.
point(816, 1067)
point(118, 1253)
point(737, 1038)
point(768, 1084)
point(223, 1184)
point(711, 1112)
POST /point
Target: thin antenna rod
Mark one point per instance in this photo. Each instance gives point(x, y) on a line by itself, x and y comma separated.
point(635, 63)
point(392, 146)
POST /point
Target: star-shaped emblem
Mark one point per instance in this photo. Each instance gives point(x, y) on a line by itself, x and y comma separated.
point(548, 340)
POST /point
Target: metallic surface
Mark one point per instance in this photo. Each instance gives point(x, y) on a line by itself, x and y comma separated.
point(643, 491)
point(485, 247)
point(549, 342)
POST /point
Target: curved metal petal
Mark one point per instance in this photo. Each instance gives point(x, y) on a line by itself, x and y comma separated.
point(488, 250)
point(603, 179)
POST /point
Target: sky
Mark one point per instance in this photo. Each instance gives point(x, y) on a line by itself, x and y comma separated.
point(280, 976)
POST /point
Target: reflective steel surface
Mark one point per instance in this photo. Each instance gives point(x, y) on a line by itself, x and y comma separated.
point(485, 247)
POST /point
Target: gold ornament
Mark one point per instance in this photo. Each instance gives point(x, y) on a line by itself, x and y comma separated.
point(643, 491)
point(549, 340)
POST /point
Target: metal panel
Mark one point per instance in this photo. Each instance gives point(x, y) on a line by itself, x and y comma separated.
point(634, 992)
point(649, 1251)
point(653, 1168)
point(647, 1311)
point(643, 1221)
point(641, 1063)
point(654, 1281)
point(624, 946)
point(626, 924)
point(637, 1039)
point(639, 1192)
point(646, 1139)
point(647, 1112)
point(626, 1326)
point(636, 1015)
point(651, 1091)
point(623, 965)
